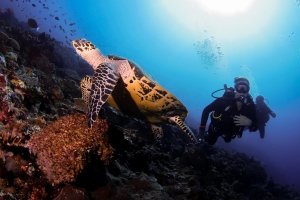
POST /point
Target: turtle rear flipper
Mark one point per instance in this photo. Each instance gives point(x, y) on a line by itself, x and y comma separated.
point(103, 83)
point(157, 132)
point(180, 123)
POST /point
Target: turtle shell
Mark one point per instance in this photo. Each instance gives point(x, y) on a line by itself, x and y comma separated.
point(141, 97)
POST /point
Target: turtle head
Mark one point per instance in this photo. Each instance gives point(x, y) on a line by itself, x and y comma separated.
point(82, 45)
point(88, 51)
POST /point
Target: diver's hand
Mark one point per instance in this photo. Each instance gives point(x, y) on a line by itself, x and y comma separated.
point(241, 120)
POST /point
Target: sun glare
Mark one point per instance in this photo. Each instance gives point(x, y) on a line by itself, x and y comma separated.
point(226, 7)
point(227, 20)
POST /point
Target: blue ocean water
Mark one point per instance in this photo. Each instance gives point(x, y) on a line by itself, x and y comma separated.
point(193, 49)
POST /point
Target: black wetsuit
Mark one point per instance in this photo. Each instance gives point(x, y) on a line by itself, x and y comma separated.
point(222, 112)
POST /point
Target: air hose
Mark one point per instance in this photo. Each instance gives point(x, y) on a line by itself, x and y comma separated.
point(214, 92)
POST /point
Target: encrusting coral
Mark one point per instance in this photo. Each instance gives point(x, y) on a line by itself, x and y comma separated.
point(4, 107)
point(63, 146)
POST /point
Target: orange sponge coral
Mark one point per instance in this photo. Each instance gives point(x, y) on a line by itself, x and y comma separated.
point(61, 147)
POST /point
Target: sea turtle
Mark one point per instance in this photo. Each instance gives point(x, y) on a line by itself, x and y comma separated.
point(126, 88)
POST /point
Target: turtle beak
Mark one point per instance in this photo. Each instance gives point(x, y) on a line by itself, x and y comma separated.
point(76, 42)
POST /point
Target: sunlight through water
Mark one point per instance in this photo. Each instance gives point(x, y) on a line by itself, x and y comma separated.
point(229, 21)
point(227, 7)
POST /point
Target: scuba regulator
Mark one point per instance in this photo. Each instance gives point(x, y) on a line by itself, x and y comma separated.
point(229, 93)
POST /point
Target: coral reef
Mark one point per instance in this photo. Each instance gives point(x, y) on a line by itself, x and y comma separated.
point(47, 151)
point(4, 108)
point(62, 147)
point(70, 192)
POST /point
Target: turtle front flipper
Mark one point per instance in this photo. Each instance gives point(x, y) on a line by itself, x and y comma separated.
point(85, 86)
point(103, 83)
point(179, 122)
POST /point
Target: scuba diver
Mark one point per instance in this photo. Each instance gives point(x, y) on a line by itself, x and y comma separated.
point(229, 114)
point(263, 113)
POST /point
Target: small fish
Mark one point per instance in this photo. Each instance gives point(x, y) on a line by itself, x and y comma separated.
point(61, 28)
point(72, 24)
point(33, 5)
point(57, 18)
point(32, 23)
